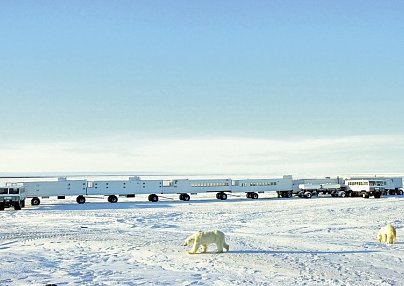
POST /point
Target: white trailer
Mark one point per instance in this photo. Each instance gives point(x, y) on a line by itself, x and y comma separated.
point(60, 188)
point(309, 190)
point(12, 195)
point(365, 187)
point(306, 188)
point(315, 181)
point(393, 186)
point(128, 188)
point(133, 186)
point(184, 187)
point(282, 186)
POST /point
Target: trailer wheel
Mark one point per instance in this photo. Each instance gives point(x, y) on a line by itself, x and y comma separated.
point(342, 194)
point(80, 200)
point(35, 201)
point(400, 192)
point(289, 194)
point(186, 197)
point(17, 206)
point(248, 195)
point(219, 196)
point(154, 198)
point(223, 196)
point(366, 195)
point(254, 196)
point(112, 199)
point(307, 195)
point(377, 195)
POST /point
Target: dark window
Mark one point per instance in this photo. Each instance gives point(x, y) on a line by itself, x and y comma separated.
point(3, 191)
point(14, 191)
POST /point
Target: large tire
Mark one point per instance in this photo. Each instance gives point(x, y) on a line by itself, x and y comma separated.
point(377, 195)
point(366, 195)
point(289, 194)
point(223, 196)
point(342, 194)
point(80, 200)
point(248, 195)
point(400, 192)
point(307, 195)
point(112, 199)
point(255, 196)
point(35, 201)
point(186, 197)
point(181, 197)
point(154, 198)
point(1, 206)
point(17, 206)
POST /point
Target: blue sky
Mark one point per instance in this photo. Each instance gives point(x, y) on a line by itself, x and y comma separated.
point(83, 72)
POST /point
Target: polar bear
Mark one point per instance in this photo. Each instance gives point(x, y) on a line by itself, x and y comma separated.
point(204, 238)
point(387, 234)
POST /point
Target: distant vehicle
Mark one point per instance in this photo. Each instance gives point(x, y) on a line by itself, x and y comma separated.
point(392, 185)
point(12, 196)
point(309, 190)
point(365, 187)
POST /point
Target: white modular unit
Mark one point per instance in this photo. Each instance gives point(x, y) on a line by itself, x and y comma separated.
point(316, 182)
point(105, 188)
point(261, 185)
point(309, 186)
point(320, 187)
point(203, 186)
point(60, 188)
point(150, 187)
point(131, 187)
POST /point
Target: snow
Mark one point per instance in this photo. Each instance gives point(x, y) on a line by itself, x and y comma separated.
point(318, 241)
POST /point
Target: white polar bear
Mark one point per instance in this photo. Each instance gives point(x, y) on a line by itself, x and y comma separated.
point(204, 238)
point(387, 234)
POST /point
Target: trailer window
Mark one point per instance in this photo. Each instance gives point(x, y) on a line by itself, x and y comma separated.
point(3, 191)
point(14, 191)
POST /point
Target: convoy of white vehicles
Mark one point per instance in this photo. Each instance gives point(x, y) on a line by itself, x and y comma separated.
point(14, 195)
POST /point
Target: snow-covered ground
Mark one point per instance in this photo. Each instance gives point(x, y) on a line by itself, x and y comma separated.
point(319, 241)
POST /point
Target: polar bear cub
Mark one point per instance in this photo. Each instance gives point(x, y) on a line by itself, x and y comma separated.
point(204, 238)
point(387, 234)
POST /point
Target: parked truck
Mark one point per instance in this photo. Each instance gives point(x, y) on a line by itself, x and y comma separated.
point(365, 187)
point(12, 195)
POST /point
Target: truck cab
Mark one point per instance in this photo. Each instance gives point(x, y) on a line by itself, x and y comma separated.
point(12, 195)
point(366, 187)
